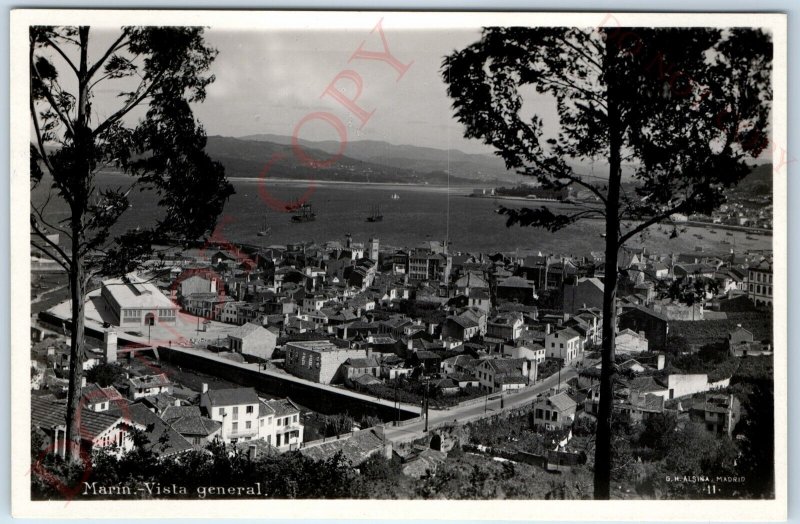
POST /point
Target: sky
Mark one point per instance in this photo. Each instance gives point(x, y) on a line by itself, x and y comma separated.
point(278, 82)
point(269, 81)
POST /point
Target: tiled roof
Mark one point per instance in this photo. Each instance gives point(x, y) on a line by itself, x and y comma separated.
point(245, 330)
point(48, 413)
point(370, 362)
point(93, 393)
point(511, 379)
point(282, 407)
point(161, 438)
point(516, 282)
point(356, 449)
point(644, 310)
point(506, 365)
point(568, 332)
point(150, 381)
point(645, 384)
point(195, 425)
point(231, 396)
point(175, 412)
point(562, 402)
point(464, 322)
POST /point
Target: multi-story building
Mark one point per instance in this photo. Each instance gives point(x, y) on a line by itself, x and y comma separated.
point(237, 409)
point(502, 374)
point(565, 344)
point(279, 424)
point(507, 326)
point(426, 265)
point(718, 413)
point(759, 283)
point(318, 360)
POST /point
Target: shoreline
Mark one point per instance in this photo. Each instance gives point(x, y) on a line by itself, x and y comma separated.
point(308, 181)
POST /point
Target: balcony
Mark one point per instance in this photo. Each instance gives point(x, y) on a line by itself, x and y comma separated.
point(241, 433)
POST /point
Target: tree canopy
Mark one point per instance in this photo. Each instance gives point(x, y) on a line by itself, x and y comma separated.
point(162, 70)
point(682, 110)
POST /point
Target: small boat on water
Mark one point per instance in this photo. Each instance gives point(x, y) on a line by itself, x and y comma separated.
point(750, 238)
point(729, 233)
point(304, 213)
point(395, 196)
point(712, 232)
point(265, 229)
point(375, 215)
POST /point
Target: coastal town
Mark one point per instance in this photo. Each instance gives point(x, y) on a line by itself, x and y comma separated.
point(349, 347)
point(531, 262)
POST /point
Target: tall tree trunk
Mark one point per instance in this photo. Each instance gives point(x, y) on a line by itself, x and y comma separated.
point(76, 355)
point(603, 458)
point(83, 151)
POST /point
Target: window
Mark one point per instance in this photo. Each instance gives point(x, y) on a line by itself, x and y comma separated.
point(235, 412)
point(294, 418)
point(277, 422)
point(235, 427)
point(248, 425)
point(248, 409)
point(221, 412)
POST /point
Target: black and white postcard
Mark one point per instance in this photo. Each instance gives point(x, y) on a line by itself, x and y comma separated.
point(399, 264)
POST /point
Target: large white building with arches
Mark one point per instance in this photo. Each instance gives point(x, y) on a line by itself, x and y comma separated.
point(136, 302)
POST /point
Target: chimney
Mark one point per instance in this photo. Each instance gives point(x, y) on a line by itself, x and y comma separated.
point(547, 329)
point(83, 382)
point(660, 364)
point(205, 387)
point(110, 345)
point(369, 351)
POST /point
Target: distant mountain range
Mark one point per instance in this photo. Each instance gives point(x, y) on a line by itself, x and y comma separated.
point(381, 162)
point(479, 167)
point(247, 157)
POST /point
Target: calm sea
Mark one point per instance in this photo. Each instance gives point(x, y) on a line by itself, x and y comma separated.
point(419, 213)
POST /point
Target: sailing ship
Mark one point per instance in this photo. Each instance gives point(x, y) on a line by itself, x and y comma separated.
point(376, 215)
point(395, 196)
point(303, 213)
point(265, 229)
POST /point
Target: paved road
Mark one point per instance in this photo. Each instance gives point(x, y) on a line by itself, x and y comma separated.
point(464, 414)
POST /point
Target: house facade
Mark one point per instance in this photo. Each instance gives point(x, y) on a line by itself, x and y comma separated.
point(236, 409)
point(318, 360)
point(565, 344)
point(759, 283)
point(254, 340)
point(554, 412)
